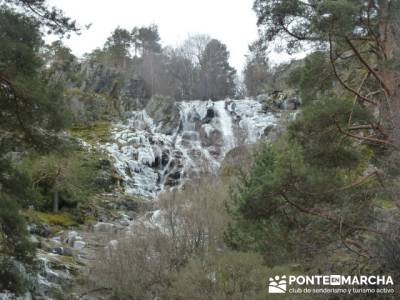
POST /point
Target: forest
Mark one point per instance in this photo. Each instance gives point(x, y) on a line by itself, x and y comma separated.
point(142, 170)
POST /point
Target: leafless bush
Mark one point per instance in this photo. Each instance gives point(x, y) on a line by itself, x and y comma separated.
point(137, 267)
point(195, 218)
point(192, 222)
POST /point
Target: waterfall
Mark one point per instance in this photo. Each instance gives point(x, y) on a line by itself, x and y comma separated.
point(225, 121)
point(150, 161)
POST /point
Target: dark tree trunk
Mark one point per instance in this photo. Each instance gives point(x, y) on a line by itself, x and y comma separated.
point(56, 201)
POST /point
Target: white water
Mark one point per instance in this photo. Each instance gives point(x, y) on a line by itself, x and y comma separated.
point(225, 121)
point(150, 161)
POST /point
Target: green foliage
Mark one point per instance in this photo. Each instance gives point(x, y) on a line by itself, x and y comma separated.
point(55, 221)
point(313, 196)
point(299, 21)
point(257, 72)
point(58, 58)
point(146, 39)
point(70, 175)
point(52, 18)
point(32, 110)
point(27, 100)
point(313, 79)
point(317, 131)
point(117, 47)
point(280, 206)
point(14, 241)
point(16, 249)
point(98, 132)
point(216, 75)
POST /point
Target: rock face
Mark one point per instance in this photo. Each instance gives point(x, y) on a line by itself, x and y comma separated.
point(280, 100)
point(99, 88)
point(166, 143)
point(164, 111)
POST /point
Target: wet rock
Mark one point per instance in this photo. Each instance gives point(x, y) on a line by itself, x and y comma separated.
point(124, 223)
point(175, 175)
point(210, 137)
point(209, 116)
point(11, 296)
point(165, 157)
point(58, 250)
point(79, 244)
point(62, 251)
point(55, 271)
point(40, 230)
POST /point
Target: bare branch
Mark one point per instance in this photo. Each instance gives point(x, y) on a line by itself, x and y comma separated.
point(369, 139)
point(370, 69)
point(341, 81)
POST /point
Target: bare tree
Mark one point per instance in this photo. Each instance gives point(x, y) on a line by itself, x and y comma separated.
point(194, 46)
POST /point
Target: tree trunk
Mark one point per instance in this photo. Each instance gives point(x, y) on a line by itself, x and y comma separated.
point(56, 201)
point(390, 108)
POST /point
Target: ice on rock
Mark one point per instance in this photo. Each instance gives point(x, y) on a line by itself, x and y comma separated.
point(149, 161)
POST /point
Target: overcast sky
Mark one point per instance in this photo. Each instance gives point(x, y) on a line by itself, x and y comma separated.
point(231, 21)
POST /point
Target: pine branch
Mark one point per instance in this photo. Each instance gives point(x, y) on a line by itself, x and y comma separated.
point(341, 81)
point(366, 64)
point(333, 218)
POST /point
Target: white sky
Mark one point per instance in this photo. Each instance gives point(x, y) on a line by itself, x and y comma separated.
point(231, 21)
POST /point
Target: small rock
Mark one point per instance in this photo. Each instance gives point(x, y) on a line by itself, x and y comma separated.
point(124, 223)
point(103, 227)
point(70, 237)
point(79, 244)
point(57, 250)
point(62, 251)
point(113, 244)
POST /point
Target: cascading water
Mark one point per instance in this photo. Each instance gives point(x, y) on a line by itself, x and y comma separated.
point(150, 161)
point(225, 121)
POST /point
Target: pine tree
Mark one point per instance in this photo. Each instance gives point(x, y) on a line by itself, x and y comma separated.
point(362, 40)
point(317, 190)
point(118, 47)
point(257, 72)
point(31, 108)
point(217, 77)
